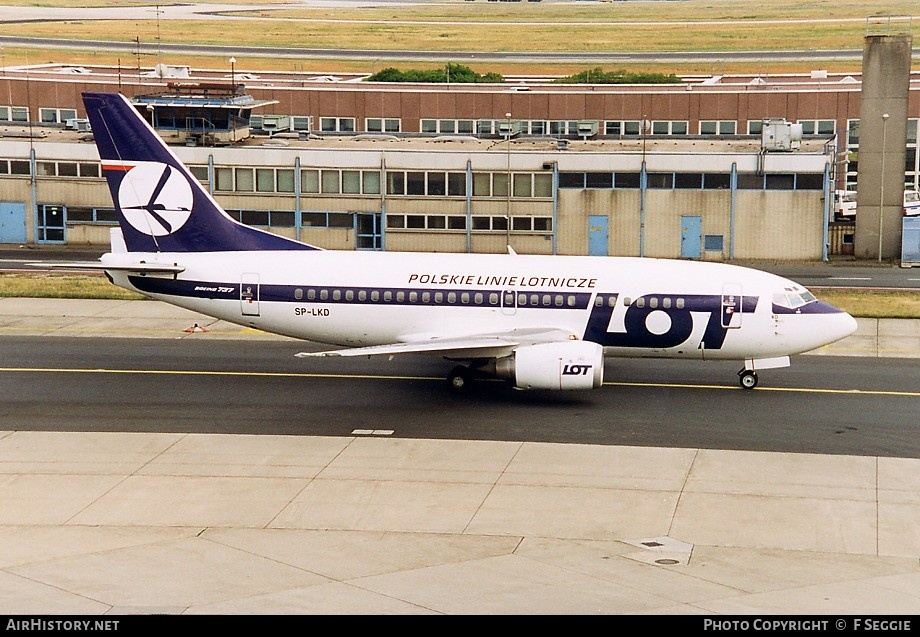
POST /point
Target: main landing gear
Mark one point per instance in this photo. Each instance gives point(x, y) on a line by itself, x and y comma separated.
point(747, 378)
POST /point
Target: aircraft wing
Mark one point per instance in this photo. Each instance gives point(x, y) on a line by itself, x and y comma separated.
point(492, 345)
point(140, 267)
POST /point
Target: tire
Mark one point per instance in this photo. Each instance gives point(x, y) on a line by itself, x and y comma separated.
point(748, 379)
point(459, 379)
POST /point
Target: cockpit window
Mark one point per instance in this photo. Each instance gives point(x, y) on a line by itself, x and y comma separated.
point(793, 298)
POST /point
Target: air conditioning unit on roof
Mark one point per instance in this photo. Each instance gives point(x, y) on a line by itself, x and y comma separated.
point(778, 134)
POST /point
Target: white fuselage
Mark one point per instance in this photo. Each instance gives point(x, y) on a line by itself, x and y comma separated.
point(631, 306)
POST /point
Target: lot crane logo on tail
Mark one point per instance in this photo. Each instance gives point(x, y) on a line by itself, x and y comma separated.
point(154, 198)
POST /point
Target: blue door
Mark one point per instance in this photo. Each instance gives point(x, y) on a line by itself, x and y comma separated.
point(12, 222)
point(691, 237)
point(910, 241)
point(597, 235)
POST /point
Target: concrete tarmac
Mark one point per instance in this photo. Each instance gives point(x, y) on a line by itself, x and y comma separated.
point(130, 523)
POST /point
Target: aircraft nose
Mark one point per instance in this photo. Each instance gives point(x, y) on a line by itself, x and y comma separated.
point(840, 325)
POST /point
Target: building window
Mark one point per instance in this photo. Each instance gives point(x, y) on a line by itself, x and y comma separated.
point(200, 173)
point(383, 125)
point(627, 180)
point(415, 183)
point(56, 115)
point(755, 127)
point(670, 127)
point(309, 181)
point(599, 180)
point(243, 179)
point(396, 183)
point(14, 114)
point(717, 181)
point(818, 126)
point(434, 183)
point(321, 219)
point(718, 127)
point(91, 215)
point(223, 179)
point(713, 243)
point(285, 180)
point(351, 182)
point(522, 185)
point(690, 181)
point(330, 182)
point(271, 218)
point(19, 167)
point(265, 180)
point(780, 182)
point(542, 185)
point(66, 169)
point(450, 126)
point(482, 184)
point(750, 181)
point(660, 180)
point(371, 182)
point(456, 184)
point(337, 124)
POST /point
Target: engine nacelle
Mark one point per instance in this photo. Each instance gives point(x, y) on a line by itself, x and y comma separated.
point(569, 365)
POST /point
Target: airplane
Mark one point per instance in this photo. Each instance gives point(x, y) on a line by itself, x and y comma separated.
point(543, 322)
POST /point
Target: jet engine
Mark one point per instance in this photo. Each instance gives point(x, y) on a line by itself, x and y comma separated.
point(567, 365)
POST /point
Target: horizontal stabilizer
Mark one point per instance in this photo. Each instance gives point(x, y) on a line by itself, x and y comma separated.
point(98, 266)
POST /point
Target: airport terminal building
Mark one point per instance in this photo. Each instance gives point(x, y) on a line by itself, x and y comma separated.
point(713, 168)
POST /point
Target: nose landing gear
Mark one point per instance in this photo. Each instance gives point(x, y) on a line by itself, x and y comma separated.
point(747, 378)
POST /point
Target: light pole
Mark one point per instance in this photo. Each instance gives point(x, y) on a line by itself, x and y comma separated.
point(881, 196)
point(233, 73)
point(508, 209)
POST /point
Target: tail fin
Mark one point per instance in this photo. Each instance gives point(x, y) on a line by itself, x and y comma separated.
point(161, 206)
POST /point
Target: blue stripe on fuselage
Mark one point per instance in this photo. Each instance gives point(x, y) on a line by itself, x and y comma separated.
point(815, 307)
point(350, 295)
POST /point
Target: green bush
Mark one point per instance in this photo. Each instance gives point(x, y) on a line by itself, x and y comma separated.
point(453, 73)
point(600, 76)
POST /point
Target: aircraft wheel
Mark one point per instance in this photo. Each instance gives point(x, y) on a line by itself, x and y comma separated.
point(459, 379)
point(748, 378)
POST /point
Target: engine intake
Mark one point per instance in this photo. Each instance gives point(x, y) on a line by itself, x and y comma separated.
point(569, 365)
